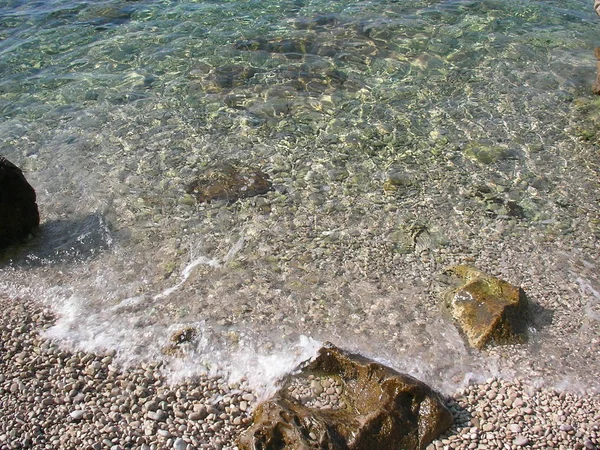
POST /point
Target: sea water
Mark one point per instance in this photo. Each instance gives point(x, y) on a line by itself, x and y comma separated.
point(400, 137)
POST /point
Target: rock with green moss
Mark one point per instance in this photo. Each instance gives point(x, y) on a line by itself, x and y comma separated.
point(487, 310)
point(382, 409)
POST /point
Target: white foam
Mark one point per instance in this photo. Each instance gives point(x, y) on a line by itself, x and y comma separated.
point(131, 301)
point(185, 274)
point(263, 371)
point(234, 249)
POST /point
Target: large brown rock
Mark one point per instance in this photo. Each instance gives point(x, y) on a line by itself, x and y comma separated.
point(19, 215)
point(487, 310)
point(376, 408)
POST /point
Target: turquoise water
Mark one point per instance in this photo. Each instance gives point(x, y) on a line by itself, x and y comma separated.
point(400, 137)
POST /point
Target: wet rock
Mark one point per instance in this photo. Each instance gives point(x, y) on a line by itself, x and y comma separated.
point(103, 17)
point(186, 334)
point(291, 48)
point(397, 180)
point(596, 86)
point(486, 309)
point(180, 341)
point(383, 409)
point(320, 22)
point(310, 79)
point(18, 209)
point(229, 182)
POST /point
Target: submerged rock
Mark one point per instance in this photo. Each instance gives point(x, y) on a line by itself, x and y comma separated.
point(486, 152)
point(486, 309)
point(230, 182)
point(230, 76)
point(179, 342)
point(19, 215)
point(376, 408)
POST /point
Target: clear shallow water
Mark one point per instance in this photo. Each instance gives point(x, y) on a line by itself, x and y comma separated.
point(480, 111)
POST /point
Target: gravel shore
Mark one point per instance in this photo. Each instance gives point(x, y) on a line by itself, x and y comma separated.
point(56, 399)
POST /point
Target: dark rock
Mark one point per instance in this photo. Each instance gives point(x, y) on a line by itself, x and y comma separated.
point(486, 309)
point(229, 182)
point(19, 215)
point(384, 410)
point(230, 76)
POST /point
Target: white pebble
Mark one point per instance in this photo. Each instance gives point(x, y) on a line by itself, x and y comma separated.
point(521, 441)
point(77, 414)
point(179, 444)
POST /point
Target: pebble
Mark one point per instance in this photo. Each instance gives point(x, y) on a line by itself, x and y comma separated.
point(77, 414)
point(179, 444)
point(538, 428)
point(513, 427)
point(521, 441)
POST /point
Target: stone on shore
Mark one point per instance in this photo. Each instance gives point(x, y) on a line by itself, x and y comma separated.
point(229, 182)
point(376, 407)
point(18, 209)
point(487, 310)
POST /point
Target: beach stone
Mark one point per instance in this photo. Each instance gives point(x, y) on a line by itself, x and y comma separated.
point(386, 410)
point(521, 441)
point(179, 444)
point(18, 207)
point(158, 415)
point(230, 182)
point(487, 310)
point(77, 414)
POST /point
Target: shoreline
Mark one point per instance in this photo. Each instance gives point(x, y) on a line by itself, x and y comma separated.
point(60, 399)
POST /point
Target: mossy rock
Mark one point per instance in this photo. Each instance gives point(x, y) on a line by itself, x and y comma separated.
point(384, 410)
point(487, 310)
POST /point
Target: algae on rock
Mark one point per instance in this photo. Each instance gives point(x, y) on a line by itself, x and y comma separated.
point(382, 410)
point(486, 309)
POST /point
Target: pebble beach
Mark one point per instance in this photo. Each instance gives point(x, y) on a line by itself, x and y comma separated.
point(56, 399)
point(375, 143)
